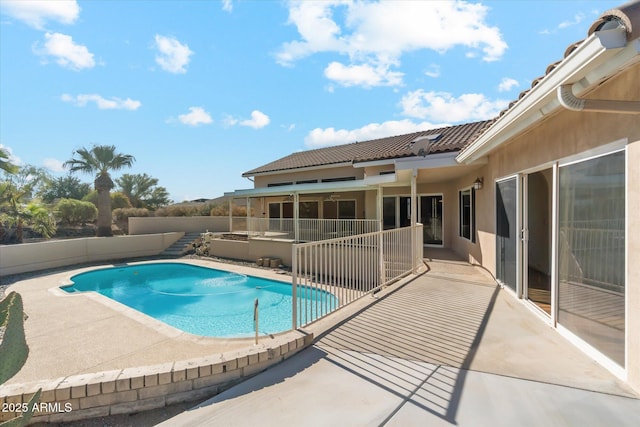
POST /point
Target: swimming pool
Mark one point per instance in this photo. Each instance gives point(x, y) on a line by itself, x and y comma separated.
point(201, 300)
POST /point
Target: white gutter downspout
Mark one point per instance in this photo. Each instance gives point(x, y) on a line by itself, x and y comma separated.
point(610, 38)
point(569, 101)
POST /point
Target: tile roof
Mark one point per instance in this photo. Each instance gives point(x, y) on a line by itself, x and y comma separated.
point(451, 138)
point(627, 14)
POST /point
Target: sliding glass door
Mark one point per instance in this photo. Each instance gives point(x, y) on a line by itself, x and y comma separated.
point(431, 219)
point(396, 212)
point(591, 252)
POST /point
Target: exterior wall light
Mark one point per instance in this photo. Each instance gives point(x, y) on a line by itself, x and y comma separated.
point(477, 184)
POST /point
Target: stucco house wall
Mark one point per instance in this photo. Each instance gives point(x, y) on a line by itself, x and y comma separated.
point(561, 135)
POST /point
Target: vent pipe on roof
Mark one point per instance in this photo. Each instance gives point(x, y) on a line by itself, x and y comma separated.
point(569, 101)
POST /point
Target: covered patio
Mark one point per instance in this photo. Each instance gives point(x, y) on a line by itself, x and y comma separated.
point(391, 194)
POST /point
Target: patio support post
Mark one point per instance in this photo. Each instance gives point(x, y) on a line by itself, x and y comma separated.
point(296, 217)
point(249, 228)
point(294, 286)
point(414, 217)
point(379, 214)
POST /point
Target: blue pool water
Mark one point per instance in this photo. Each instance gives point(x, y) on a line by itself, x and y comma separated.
point(200, 300)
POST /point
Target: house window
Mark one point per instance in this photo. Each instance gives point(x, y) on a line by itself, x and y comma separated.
point(281, 210)
point(467, 202)
point(279, 184)
point(339, 209)
point(274, 210)
point(308, 210)
point(341, 179)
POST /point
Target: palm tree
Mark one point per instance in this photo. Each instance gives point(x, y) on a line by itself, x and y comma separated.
point(5, 162)
point(101, 159)
point(137, 187)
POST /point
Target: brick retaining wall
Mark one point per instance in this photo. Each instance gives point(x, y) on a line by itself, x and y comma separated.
point(139, 389)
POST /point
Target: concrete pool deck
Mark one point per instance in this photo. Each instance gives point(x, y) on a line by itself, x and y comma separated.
point(447, 348)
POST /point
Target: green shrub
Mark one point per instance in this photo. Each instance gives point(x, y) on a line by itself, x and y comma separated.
point(76, 212)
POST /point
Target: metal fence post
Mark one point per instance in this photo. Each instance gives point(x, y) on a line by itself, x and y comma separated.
point(294, 286)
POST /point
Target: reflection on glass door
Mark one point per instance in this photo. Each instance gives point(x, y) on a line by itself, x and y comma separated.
point(506, 232)
point(404, 216)
point(396, 211)
point(389, 212)
point(431, 219)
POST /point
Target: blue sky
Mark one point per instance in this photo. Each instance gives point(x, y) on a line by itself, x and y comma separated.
point(202, 91)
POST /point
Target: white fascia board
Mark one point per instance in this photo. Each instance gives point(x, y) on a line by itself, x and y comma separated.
point(303, 169)
point(374, 163)
point(542, 99)
point(283, 190)
point(381, 179)
point(430, 161)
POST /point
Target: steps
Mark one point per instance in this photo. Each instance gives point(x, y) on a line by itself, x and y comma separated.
point(178, 248)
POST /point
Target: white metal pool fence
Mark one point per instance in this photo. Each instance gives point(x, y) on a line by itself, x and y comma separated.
point(330, 274)
point(309, 229)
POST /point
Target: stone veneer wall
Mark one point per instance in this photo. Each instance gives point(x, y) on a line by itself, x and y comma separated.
point(133, 390)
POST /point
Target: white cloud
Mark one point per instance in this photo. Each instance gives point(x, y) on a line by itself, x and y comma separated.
point(433, 71)
point(66, 52)
point(54, 165)
point(258, 120)
point(114, 103)
point(173, 56)
point(577, 19)
point(377, 34)
point(318, 137)
point(507, 84)
point(227, 5)
point(442, 106)
point(196, 116)
point(362, 75)
point(12, 157)
point(37, 13)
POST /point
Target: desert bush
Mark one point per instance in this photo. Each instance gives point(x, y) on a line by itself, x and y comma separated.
point(76, 212)
point(122, 214)
point(223, 210)
point(177, 210)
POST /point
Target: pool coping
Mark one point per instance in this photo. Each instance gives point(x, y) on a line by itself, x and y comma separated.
point(136, 389)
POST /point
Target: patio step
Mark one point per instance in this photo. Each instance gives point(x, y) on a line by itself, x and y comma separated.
point(178, 248)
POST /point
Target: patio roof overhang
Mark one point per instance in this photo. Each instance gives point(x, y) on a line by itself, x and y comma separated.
point(369, 183)
point(589, 64)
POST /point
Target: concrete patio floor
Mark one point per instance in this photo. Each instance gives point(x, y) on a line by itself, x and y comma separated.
point(448, 348)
